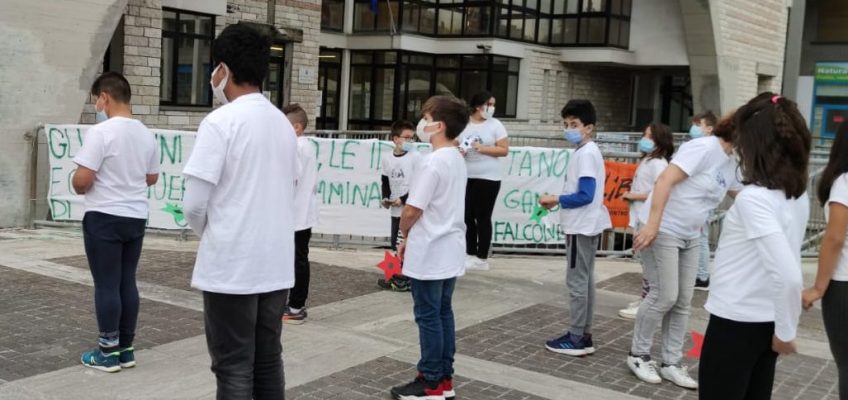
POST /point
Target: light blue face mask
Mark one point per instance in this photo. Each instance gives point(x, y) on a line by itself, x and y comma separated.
point(573, 136)
point(695, 132)
point(647, 146)
point(100, 116)
point(409, 146)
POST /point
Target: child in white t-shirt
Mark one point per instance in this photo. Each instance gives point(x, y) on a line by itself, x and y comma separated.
point(657, 146)
point(434, 250)
point(584, 218)
point(398, 169)
point(755, 296)
point(306, 214)
point(117, 162)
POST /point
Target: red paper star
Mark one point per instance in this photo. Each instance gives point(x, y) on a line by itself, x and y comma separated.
point(390, 265)
point(698, 340)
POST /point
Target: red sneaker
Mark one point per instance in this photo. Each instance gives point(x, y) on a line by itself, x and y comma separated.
point(447, 388)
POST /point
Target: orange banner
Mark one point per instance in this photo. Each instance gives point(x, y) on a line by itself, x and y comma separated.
point(619, 178)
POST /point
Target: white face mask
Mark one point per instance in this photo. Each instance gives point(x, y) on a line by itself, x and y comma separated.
point(488, 112)
point(419, 130)
point(218, 91)
point(99, 115)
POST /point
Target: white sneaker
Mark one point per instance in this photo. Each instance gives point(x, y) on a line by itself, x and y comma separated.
point(470, 261)
point(678, 376)
point(630, 311)
point(477, 265)
point(645, 370)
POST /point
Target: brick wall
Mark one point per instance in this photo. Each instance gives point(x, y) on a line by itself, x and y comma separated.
point(752, 32)
point(143, 51)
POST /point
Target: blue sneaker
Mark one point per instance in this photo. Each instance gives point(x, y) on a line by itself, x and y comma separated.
point(127, 357)
point(568, 345)
point(587, 342)
point(104, 362)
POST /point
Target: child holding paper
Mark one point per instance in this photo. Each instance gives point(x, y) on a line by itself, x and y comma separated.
point(584, 217)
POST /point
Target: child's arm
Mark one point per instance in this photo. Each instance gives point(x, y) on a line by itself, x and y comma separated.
point(408, 218)
point(584, 195)
point(387, 191)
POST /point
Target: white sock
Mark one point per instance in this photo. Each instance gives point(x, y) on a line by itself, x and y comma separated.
point(294, 310)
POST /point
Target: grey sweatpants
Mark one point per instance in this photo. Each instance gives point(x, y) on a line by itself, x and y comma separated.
point(670, 267)
point(580, 280)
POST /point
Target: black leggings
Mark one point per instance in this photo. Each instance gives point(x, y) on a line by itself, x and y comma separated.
point(737, 362)
point(113, 247)
point(300, 291)
point(480, 197)
point(835, 314)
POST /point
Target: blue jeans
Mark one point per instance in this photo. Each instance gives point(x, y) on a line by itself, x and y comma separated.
point(436, 330)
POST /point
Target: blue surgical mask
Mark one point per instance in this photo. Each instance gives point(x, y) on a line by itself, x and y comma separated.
point(408, 146)
point(647, 146)
point(573, 136)
point(695, 132)
point(100, 116)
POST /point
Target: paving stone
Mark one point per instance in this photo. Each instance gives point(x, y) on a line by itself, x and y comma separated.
point(517, 339)
point(47, 323)
point(374, 379)
point(328, 283)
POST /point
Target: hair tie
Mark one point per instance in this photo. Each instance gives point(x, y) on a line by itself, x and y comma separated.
point(775, 98)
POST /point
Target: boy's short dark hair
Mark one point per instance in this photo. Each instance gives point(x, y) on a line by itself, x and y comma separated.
point(450, 110)
point(296, 114)
point(399, 126)
point(245, 51)
point(707, 117)
point(113, 84)
point(580, 109)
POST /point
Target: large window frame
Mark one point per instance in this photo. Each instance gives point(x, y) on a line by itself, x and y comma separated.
point(176, 36)
point(408, 67)
point(591, 23)
point(329, 67)
point(332, 15)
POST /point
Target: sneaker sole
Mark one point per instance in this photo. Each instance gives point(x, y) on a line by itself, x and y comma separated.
point(450, 395)
point(703, 289)
point(625, 315)
point(590, 351)
point(116, 368)
point(399, 397)
point(130, 364)
point(294, 321)
point(569, 352)
point(678, 384)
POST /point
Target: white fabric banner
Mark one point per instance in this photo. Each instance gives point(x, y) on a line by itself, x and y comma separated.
point(349, 188)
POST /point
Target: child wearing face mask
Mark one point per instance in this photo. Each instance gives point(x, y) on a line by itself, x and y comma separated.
point(703, 124)
point(398, 169)
point(482, 142)
point(584, 218)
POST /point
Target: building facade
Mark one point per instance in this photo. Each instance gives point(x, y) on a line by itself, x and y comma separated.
point(361, 64)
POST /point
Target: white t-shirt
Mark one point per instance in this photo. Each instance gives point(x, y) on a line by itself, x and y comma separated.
point(306, 186)
point(839, 194)
point(647, 172)
point(122, 152)
point(593, 218)
point(248, 150)
point(399, 170)
point(435, 248)
point(487, 133)
point(712, 172)
point(744, 285)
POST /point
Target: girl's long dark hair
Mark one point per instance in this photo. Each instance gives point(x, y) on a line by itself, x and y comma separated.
point(663, 141)
point(836, 165)
point(773, 143)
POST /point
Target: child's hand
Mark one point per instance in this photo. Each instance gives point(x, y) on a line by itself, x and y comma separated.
point(549, 201)
point(810, 296)
point(397, 203)
point(627, 196)
point(386, 203)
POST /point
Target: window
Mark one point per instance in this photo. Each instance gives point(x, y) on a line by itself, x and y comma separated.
point(590, 23)
point(329, 77)
point(186, 58)
point(382, 19)
point(332, 15)
point(833, 21)
point(273, 84)
point(390, 85)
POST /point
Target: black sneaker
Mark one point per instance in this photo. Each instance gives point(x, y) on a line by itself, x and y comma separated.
point(398, 283)
point(702, 285)
point(419, 389)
